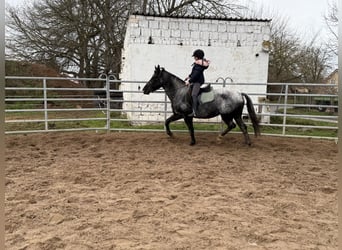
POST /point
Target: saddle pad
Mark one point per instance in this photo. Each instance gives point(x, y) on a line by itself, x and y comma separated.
point(207, 96)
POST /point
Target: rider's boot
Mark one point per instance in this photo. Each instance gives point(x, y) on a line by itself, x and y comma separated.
point(194, 106)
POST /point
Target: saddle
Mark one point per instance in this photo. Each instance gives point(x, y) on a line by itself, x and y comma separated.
point(205, 87)
point(206, 94)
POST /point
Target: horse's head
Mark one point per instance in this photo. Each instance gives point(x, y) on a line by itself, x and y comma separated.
point(155, 82)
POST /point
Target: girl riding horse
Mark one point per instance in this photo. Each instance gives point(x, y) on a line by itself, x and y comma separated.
point(196, 77)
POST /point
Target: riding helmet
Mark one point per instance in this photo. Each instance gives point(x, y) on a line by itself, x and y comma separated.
point(198, 53)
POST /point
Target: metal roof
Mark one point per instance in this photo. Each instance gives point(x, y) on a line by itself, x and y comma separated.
point(237, 19)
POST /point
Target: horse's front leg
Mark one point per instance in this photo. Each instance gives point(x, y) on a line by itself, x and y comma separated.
point(172, 118)
point(189, 123)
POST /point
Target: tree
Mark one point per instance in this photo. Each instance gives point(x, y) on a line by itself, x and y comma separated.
point(283, 55)
point(331, 20)
point(199, 8)
point(85, 37)
point(313, 62)
point(292, 59)
point(80, 36)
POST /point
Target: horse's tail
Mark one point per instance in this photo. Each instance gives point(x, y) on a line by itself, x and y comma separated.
point(252, 114)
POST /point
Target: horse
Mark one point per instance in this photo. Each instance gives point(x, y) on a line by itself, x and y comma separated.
point(229, 104)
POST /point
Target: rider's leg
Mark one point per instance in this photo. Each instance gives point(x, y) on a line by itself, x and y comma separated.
point(194, 95)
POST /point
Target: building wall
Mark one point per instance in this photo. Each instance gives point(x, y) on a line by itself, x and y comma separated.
point(234, 47)
point(332, 78)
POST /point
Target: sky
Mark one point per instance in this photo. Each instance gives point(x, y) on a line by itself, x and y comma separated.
point(304, 16)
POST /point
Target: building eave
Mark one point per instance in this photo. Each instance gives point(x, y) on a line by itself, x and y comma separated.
point(236, 19)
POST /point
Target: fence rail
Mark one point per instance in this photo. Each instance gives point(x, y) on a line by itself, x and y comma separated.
point(44, 104)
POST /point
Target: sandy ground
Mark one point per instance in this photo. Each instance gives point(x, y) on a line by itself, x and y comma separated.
point(147, 191)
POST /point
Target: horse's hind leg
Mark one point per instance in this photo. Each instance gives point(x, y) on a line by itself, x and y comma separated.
point(172, 118)
point(231, 125)
point(243, 128)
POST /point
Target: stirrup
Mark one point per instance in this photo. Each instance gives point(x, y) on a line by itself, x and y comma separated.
point(192, 114)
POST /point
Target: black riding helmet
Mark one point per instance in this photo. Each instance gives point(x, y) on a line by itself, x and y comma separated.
point(198, 53)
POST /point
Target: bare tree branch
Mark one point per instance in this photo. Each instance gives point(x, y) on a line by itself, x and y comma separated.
point(331, 20)
point(85, 37)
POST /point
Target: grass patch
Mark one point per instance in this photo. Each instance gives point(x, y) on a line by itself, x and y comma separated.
point(120, 122)
point(21, 118)
point(315, 132)
point(306, 111)
point(302, 123)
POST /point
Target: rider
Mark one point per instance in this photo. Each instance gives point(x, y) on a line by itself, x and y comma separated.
point(196, 77)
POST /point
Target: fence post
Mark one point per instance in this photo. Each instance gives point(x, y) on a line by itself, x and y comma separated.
point(45, 106)
point(285, 107)
point(165, 106)
point(108, 103)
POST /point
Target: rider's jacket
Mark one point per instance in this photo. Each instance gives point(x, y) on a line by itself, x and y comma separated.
point(196, 75)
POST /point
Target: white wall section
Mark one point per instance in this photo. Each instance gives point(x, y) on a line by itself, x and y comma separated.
point(235, 47)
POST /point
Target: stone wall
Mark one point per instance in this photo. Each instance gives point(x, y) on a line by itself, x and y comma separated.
point(237, 49)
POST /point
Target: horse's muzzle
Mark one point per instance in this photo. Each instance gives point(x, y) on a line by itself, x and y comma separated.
point(146, 90)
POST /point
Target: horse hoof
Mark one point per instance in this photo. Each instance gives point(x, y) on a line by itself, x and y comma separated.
point(219, 138)
point(170, 134)
point(192, 143)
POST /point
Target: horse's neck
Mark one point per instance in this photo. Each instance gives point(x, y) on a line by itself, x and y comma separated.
point(173, 84)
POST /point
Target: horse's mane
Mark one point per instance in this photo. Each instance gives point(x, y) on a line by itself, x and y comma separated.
point(174, 76)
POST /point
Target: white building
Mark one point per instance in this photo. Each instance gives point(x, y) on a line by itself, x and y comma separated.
point(237, 48)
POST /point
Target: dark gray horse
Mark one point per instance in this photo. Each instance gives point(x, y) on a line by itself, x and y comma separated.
point(228, 104)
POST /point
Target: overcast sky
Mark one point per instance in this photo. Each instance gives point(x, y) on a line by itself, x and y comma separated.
point(304, 16)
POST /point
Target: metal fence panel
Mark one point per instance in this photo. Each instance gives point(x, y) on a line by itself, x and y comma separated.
point(34, 104)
